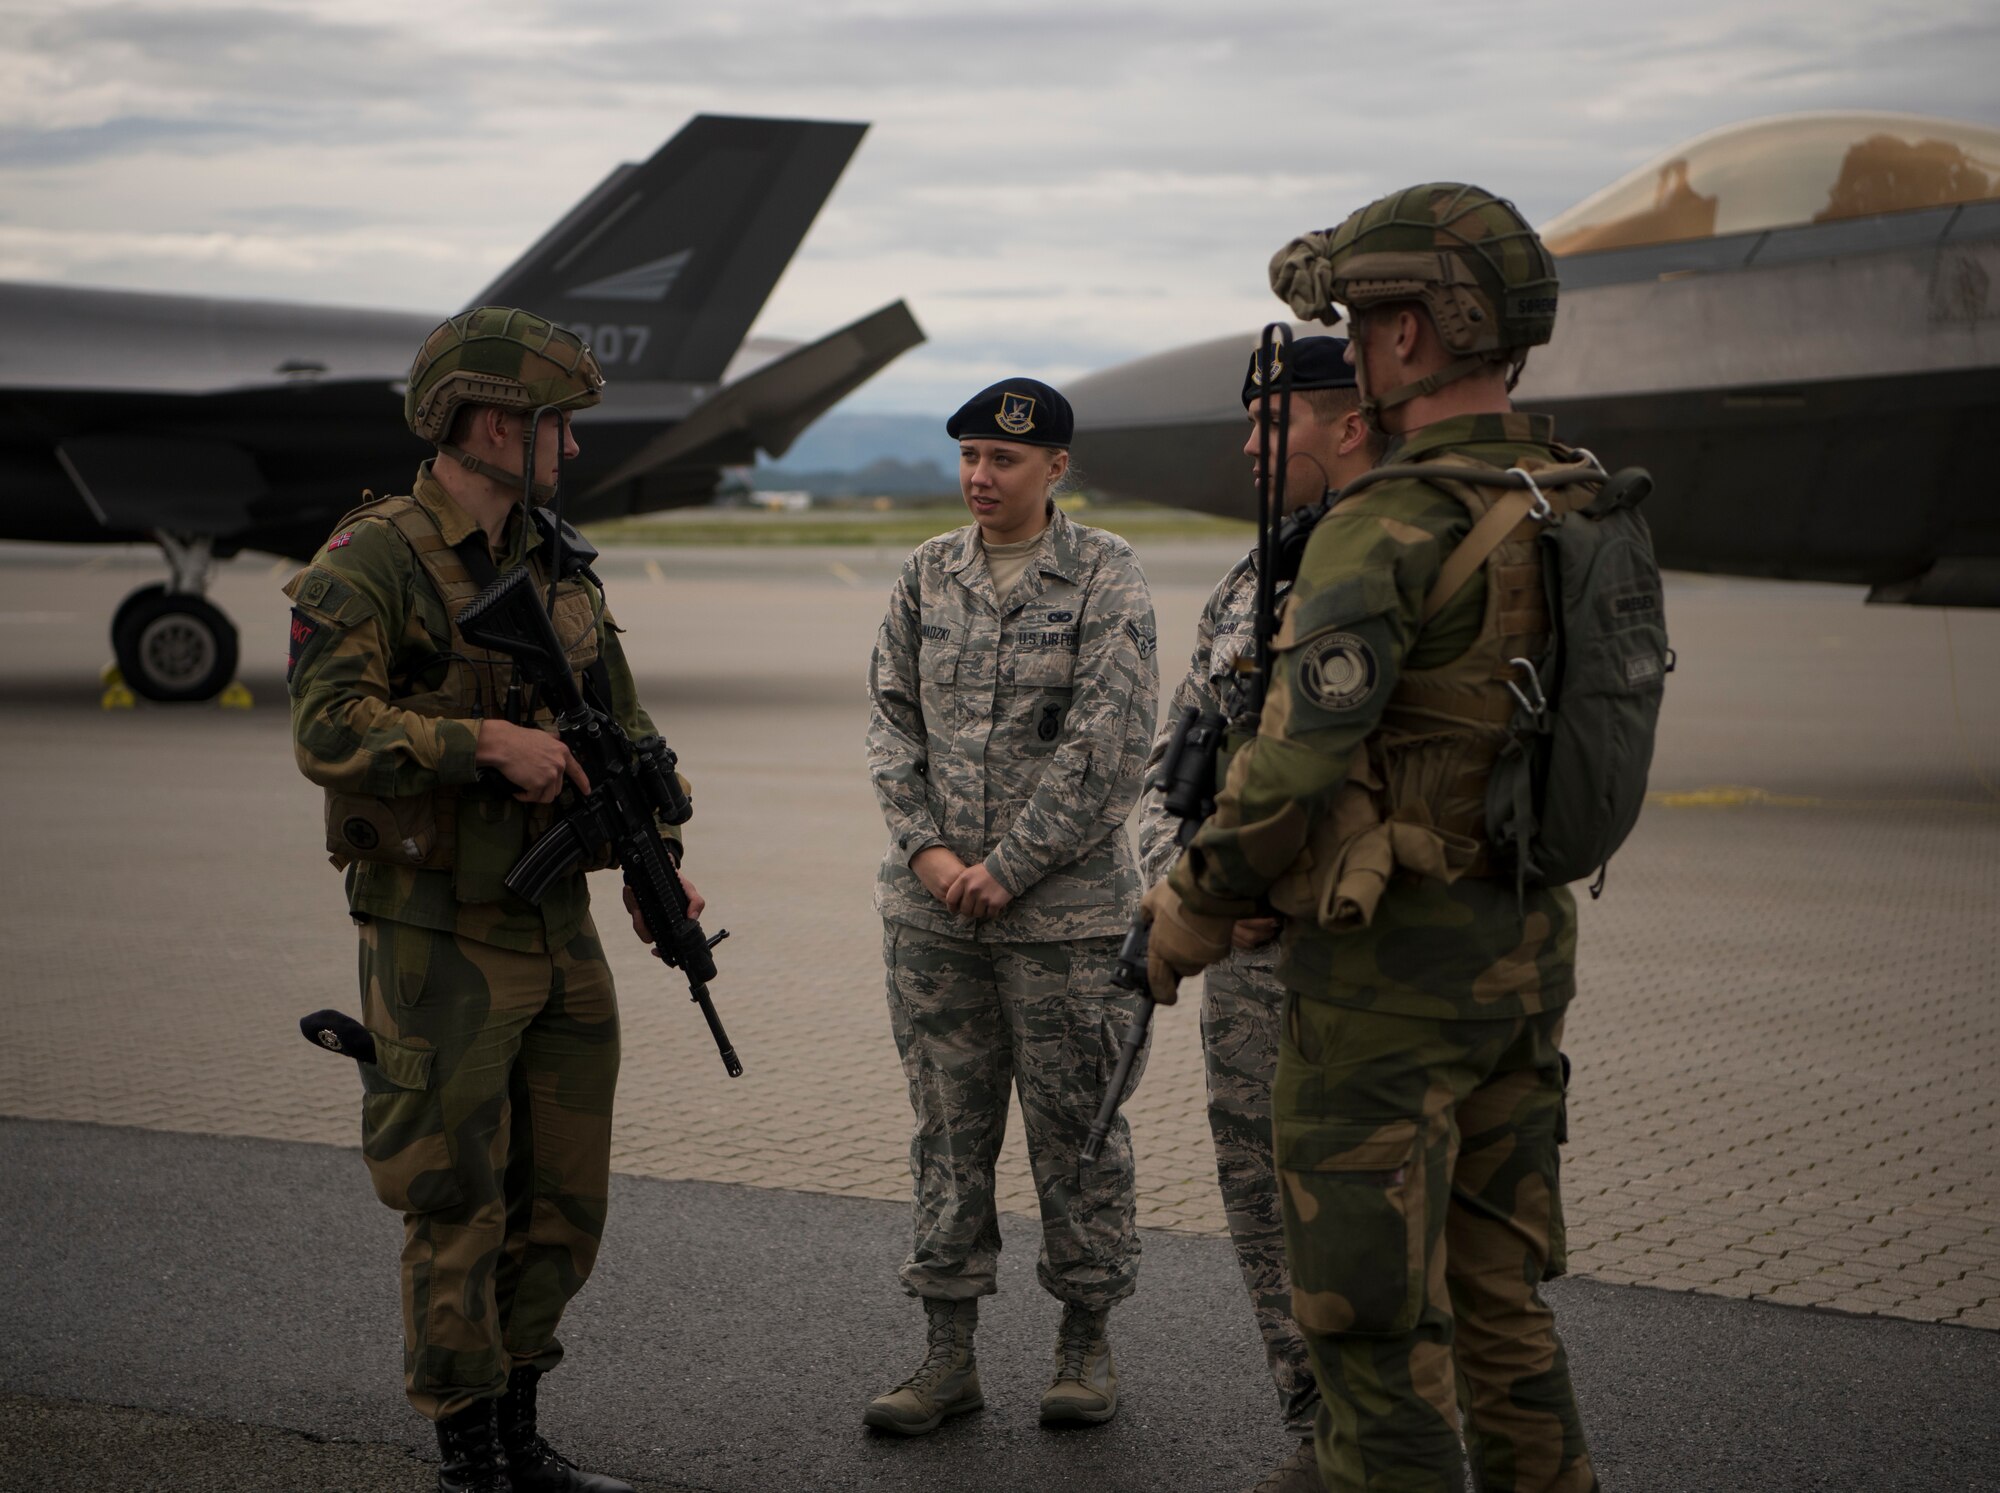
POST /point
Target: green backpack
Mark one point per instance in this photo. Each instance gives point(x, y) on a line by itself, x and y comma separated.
point(1569, 786)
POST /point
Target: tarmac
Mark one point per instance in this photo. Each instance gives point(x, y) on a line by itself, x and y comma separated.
point(1782, 1194)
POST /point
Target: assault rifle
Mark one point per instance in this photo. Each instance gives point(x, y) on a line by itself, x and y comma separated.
point(632, 789)
point(1188, 771)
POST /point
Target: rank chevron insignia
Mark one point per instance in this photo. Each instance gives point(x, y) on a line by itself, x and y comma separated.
point(643, 282)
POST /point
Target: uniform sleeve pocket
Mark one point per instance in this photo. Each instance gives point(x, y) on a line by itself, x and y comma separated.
point(1356, 1223)
point(1355, 598)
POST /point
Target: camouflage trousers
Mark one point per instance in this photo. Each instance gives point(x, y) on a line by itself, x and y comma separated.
point(486, 1122)
point(1240, 1010)
point(972, 1021)
point(1418, 1161)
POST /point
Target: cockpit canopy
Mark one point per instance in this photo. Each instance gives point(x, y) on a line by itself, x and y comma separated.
point(1782, 172)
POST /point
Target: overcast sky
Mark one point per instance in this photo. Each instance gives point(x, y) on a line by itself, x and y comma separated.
point(1052, 186)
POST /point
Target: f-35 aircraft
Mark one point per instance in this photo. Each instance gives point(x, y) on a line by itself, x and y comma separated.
point(210, 426)
point(1794, 323)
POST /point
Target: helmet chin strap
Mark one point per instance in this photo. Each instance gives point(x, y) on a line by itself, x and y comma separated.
point(1372, 404)
point(541, 491)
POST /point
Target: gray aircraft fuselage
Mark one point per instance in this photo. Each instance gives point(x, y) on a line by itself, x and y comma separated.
point(1813, 402)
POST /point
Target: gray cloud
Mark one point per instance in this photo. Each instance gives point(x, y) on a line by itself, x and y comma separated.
point(1050, 184)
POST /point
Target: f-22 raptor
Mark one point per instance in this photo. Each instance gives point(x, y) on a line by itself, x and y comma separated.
point(209, 426)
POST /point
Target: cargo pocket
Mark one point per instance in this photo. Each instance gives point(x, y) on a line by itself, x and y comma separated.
point(1354, 1223)
point(403, 1134)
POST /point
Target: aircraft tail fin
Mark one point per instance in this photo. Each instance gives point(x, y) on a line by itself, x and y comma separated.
point(663, 266)
point(771, 407)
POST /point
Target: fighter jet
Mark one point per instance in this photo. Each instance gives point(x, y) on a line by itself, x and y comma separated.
point(1794, 323)
point(209, 426)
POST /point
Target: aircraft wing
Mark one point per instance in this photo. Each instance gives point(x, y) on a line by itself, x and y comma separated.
point(768, 409)
point(663, 266)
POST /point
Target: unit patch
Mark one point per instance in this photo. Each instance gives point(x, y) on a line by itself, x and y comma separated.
point(1338, 671)
point(304, 630)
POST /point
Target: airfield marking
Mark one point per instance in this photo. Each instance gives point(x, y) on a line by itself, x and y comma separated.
point(846, 573)
point(655, 574)
point(1732, 796)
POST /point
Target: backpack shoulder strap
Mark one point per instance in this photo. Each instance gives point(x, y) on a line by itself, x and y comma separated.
point(1487, 536)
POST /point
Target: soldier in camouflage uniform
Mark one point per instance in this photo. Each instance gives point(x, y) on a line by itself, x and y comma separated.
point(1329, 444)
point(486, 1117)
point(1014, 687)
point(1419, 1091)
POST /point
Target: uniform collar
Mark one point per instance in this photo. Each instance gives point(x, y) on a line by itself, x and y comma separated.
point(1058, 555)
point(454, 523)
point(1514, 428)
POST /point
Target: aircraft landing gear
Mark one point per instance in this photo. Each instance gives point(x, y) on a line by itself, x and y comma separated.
point(170, 642)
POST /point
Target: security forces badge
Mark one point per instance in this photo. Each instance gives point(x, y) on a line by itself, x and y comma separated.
point(1016, 414)
point(1338, 672)
point(1015, 409)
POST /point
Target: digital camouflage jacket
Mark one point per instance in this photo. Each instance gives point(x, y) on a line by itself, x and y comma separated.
point(1225, 632)
point(1015, 734)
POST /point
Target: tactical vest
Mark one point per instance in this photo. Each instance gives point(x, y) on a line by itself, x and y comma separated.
point(1416, 793)
point(476, 832)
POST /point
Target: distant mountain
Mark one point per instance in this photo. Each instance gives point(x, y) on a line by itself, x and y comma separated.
point(885, 477)
point(848, 443)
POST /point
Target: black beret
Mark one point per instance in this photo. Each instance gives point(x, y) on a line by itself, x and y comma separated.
point(1015, 409)
point(1317, 363)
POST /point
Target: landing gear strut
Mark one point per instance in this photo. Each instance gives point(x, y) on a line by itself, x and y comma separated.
point(170, 642)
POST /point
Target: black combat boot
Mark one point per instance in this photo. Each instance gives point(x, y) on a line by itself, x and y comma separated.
point(534, 1465)
point(469, 1455)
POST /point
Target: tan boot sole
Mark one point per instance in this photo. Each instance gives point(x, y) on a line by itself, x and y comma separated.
point(881, 1420)
point(1077, 1416)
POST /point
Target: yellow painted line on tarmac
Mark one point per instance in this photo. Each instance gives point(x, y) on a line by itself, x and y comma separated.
point(279, 567)
point(1728, 797)
point(846, 573)
point(655, 574)
point(1733, 796)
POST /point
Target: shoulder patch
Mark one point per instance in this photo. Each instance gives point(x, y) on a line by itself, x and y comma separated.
point(341, 540)
point(1145, 638)
point(328, 596)
point(304, 630)
point(1337, 671)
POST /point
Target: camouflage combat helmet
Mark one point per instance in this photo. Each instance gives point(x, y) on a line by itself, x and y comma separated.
point(1467, 256)
point(499, 356)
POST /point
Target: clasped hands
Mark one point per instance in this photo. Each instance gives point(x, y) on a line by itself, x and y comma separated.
point(969, 891)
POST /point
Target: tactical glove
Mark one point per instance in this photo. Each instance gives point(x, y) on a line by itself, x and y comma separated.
point(1181, 943)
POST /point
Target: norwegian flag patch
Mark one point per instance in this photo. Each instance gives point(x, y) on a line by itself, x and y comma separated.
point(340, 541)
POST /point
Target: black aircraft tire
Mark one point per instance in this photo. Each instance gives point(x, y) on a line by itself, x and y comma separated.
point(175, 647)
point(130, 604)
